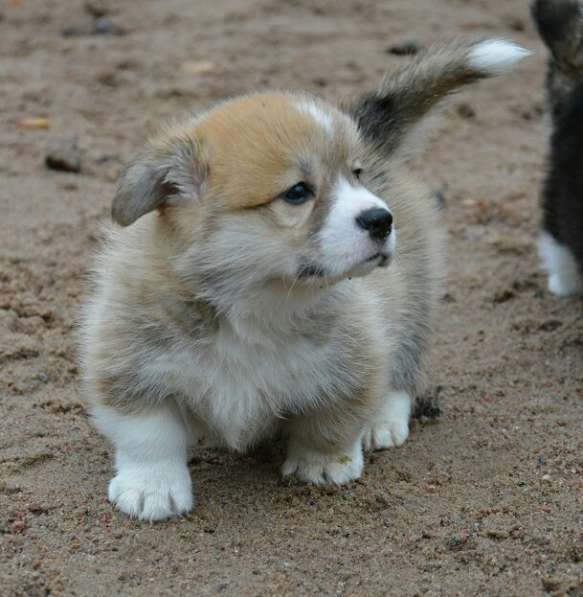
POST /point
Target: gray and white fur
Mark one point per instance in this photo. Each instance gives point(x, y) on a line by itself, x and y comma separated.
point(276, 271)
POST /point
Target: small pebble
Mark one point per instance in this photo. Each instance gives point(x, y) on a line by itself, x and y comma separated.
point(551, 583)
point(406, 48)
point(109, 79)
point(107, 157)
point(36, 508)
point(106, 26)
point(69, 186)
point(63, 154)
point(320, 81)
point(35, 123)
point(198, 67)
point(42, 377)
point(465, 110)
point(96, 8)
point(550, 325)
point(497, 534)
point(458, 543)
point(74, 31)
point(517, 24)
point(440, 198)
point(17, 527)
point(503, 295)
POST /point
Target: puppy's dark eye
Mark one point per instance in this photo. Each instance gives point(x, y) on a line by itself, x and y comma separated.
point(298, 194)
point(357, 173)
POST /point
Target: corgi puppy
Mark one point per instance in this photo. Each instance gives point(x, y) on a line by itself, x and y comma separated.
point(275, 271)
point(560, 25)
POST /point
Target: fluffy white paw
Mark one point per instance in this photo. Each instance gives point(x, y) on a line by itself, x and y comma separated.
point(152, 493)
point(391, 427)
point(324, 469)
point(385, 434)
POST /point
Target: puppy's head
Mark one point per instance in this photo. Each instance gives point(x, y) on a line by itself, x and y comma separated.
point(263, 189)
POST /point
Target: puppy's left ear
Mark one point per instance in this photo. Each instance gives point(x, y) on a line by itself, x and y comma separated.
point(167, 173)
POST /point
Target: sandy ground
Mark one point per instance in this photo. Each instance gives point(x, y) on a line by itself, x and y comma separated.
point(486, 500)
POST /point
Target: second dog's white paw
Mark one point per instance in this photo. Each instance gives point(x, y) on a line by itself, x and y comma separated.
point(391, 427)
point(563, 286)
point(565, 278)
point(152, 492)
point(324, 469)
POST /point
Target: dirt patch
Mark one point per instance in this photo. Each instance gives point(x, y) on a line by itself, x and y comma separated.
point(486, 499)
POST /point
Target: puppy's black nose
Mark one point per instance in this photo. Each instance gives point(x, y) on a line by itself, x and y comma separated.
point(377, 221)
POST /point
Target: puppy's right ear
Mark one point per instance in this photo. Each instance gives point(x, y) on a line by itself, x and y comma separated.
point(560, 25)
point(167, 172)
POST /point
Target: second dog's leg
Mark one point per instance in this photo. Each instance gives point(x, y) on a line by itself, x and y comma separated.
point(561, 265)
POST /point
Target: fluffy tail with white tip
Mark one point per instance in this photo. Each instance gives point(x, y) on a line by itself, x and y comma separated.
point(495, 56)
point(387, 116)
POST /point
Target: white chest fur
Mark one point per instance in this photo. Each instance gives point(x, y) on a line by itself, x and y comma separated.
point(239, 388)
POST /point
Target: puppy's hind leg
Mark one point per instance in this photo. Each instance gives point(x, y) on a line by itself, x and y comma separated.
point(152, 480)
point(390, 427)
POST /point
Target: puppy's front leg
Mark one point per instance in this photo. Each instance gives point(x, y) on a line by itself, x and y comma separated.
point(324, 449)
point(152, 480)
point(390, 427)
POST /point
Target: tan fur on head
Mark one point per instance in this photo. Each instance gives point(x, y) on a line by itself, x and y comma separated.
point(245, 152)
point(277, 272)
point(261, 145)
